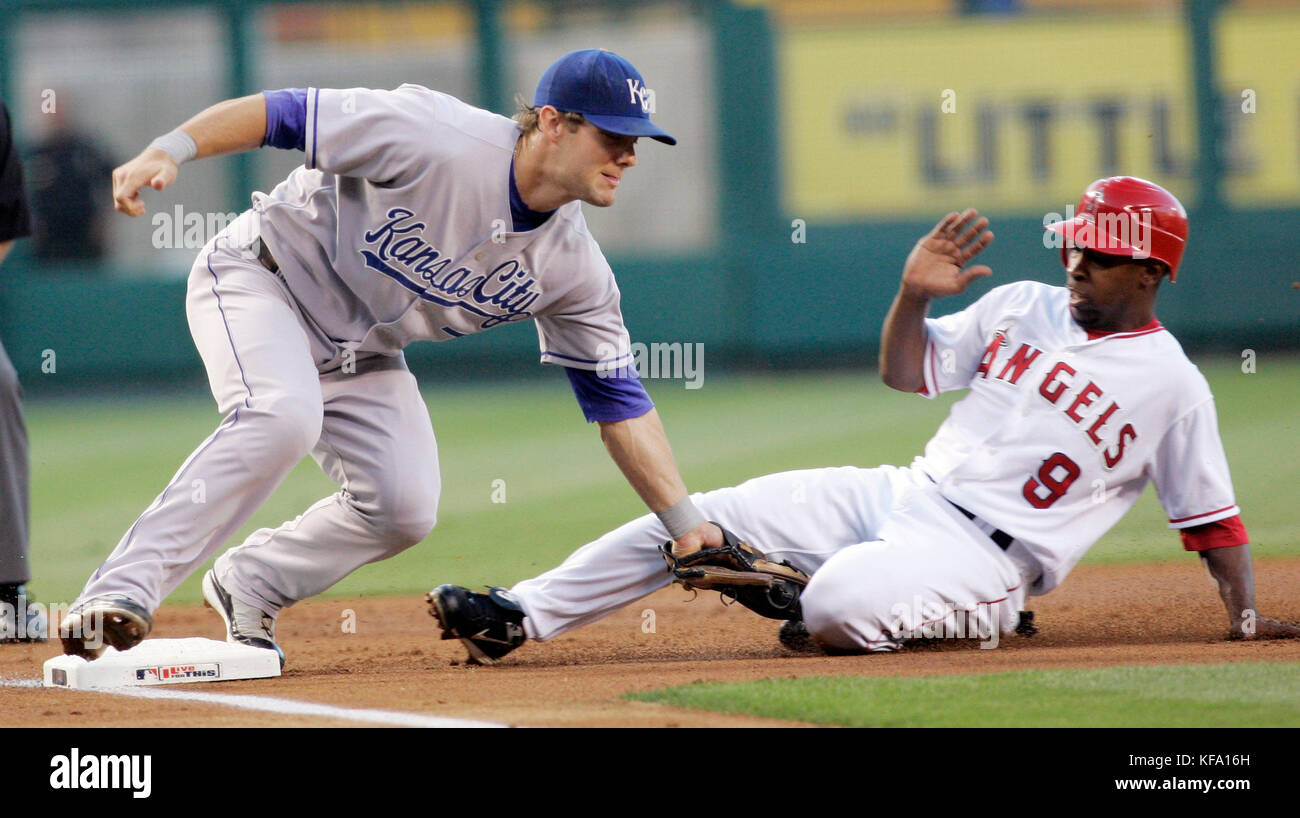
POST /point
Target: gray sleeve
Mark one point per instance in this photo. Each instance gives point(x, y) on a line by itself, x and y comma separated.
point(383, 136)
point(586, 331)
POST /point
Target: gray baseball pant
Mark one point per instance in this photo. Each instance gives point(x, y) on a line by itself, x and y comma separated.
point(14, 524)
point(367, 428)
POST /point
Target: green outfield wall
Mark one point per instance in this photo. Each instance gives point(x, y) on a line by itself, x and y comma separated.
point(772, 303)
point(810, 163)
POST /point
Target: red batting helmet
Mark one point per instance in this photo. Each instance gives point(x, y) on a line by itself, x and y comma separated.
point(1127, 216)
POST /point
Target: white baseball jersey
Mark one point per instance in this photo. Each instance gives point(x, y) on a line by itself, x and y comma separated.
point(1056, 440)
point(397, 228)
point(1061, 431)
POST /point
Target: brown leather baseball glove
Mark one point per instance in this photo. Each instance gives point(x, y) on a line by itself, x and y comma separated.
point(740, 571)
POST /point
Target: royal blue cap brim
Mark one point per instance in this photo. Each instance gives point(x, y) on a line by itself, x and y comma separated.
point(630, 126)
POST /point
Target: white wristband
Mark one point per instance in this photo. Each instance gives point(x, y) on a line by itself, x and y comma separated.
point(178, 145)
point(681, 517)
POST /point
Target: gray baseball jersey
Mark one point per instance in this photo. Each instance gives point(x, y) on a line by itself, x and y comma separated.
point(397, 229)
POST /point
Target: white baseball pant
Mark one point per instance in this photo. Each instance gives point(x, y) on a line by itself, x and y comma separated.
point(367, 426)
point(888, 555)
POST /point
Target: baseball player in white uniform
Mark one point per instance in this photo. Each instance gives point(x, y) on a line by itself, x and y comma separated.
point(414, 217)
point(1077, 398)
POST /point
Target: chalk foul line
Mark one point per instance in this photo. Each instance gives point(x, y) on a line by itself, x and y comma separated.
point(271, 704)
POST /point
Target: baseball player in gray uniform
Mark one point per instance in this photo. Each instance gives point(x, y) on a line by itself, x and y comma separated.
point(414, 217)
point(18, 623)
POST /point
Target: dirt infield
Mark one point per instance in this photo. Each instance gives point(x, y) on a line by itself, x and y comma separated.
point(1102, 616)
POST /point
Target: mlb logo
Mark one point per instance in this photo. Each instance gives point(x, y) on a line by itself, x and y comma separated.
point(146, 674)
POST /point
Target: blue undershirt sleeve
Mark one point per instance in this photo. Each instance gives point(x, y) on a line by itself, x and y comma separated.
point(608, 398)
point(286, 119)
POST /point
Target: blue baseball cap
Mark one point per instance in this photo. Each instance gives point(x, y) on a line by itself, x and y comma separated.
point(604, 88)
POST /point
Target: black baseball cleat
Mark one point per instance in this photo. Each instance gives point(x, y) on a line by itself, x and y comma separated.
point(488, 625)
point(101, 621)
point(20, 620)
point(794, 636)
point(1025, 624)
point(245, 624)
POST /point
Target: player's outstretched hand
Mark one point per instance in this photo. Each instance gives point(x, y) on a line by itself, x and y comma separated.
point(705, 535)
point(152, 168)
point(934, 267)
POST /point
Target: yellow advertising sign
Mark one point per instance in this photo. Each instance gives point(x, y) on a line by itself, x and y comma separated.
point(1259, 80)
point(1020, 115)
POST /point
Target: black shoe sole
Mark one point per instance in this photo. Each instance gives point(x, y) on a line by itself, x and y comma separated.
point(438, 608)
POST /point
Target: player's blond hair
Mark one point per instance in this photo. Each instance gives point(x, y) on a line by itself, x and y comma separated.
point(527, 117)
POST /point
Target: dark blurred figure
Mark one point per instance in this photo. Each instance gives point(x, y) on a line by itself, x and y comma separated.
point(991, 6)
point(68, 175)
point(17, 623)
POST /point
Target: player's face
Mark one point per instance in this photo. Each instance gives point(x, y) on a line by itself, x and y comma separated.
point(592, 162)
point(1108, 293)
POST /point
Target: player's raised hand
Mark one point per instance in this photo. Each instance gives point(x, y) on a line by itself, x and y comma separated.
point(936, 267)
point(153, 168)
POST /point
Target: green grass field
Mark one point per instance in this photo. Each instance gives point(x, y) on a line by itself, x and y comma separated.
point(1263, 694)
point(98, 464)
